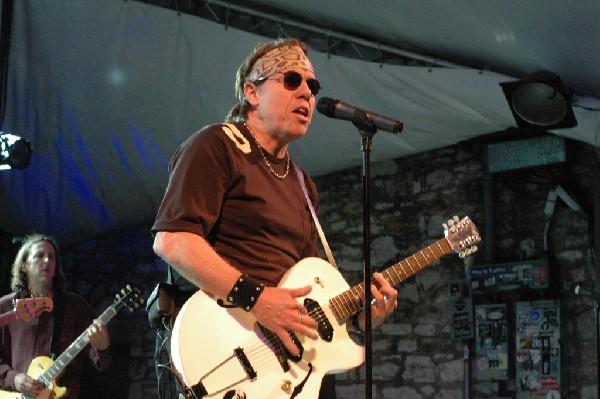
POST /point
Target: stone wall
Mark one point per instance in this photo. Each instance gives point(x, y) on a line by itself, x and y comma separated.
point(414, 353)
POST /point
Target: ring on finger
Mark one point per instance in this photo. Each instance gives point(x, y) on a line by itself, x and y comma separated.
point(300, 319)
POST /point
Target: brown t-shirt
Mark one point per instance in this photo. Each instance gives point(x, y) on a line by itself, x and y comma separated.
point(221, 188)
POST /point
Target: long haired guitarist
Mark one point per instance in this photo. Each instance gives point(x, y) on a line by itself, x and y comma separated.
point(37, 272)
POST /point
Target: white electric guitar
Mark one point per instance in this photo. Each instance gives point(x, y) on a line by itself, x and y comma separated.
point(222, 352)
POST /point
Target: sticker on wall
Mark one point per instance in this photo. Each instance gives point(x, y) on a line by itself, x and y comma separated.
point(537, 349)
point(491, 342)
point(461, 309)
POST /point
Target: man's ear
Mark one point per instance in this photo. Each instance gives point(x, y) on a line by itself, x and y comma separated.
point(251, 93)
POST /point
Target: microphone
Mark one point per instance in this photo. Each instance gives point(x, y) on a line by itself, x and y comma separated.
point(334, 108)
point(577, 290)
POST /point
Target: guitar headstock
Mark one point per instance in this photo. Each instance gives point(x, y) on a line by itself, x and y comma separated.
point(28, 309)
point(130, 297)
point(462, 235)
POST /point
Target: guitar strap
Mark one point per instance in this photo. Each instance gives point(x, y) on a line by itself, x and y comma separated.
point(314, 216)
point(169, 275)
point(59, 311)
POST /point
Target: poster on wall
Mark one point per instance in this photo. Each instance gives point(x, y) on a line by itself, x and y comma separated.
point(491, 342)
point(461, 309)
point(537, 349)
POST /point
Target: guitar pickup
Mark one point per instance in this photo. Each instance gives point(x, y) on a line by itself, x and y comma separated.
point(276, 346)
point(324, 327)
point(280, 351)
point(298, 344)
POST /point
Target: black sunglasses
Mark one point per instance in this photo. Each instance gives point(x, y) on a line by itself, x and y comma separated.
point(292, 80)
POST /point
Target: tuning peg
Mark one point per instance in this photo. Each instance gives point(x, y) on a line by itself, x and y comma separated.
point(468, 251)
point(456, 219)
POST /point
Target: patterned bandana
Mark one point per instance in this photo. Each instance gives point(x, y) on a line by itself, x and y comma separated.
point(277, 60)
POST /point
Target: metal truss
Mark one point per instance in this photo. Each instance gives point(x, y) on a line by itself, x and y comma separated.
point(272, 23)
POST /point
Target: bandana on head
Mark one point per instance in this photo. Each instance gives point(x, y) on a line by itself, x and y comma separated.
point(277, 60)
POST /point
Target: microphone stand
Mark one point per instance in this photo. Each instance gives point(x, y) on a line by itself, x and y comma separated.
point(367, 130)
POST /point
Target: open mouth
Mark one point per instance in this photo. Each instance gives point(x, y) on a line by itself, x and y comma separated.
point(302, 111)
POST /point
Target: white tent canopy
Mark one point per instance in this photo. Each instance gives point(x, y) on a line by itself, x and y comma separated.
point(106, 90)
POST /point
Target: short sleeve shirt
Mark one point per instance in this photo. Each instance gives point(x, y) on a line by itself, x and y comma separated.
point(221, 188)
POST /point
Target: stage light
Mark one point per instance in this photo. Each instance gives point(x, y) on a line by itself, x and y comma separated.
point(15, 152)
point(540, 101)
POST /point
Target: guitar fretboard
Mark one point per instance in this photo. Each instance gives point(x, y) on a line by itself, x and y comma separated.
point(73, 350)
point(349, 302)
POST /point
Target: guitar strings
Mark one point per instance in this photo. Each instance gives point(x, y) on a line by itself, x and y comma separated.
point(348, 302)
point(262, 351)
point(262, 354)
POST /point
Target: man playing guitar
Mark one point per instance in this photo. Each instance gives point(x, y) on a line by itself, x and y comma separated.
point(234, 218)
point(37, 272)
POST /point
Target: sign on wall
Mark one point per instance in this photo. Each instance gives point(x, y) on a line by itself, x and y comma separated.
point(510, 276)
point(538, 350)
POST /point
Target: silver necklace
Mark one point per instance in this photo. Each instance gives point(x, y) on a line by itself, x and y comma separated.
point(262, 152)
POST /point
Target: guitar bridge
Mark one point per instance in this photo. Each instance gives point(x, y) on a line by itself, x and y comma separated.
point(250, 372)
point(213, 379)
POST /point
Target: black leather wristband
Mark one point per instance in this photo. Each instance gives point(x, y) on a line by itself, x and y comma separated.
point(245, 292)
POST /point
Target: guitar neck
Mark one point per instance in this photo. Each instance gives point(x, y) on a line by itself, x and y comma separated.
point(349, 302)
point(74, 349)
